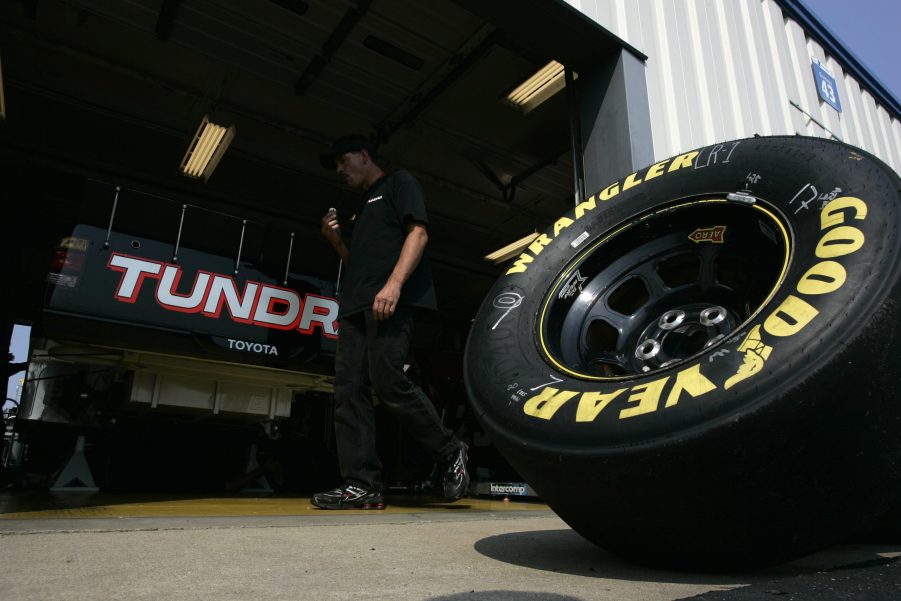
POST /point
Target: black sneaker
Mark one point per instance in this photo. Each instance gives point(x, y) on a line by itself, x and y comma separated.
point(456, 478)
point(349, 496)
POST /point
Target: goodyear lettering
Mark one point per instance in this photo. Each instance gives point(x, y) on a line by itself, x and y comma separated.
point(545, 404)
point(825, 277)
point(682, 161)
point(646, 398)
point(691, 381)
point(834, 213)
point(790, 317)
point(839, 242)
point(822, 278)
point(592, 403)
point(641, 399)
point(756, 355)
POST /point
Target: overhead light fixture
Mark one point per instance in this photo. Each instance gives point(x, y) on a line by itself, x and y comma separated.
point(2, 99)
point(206, 149)
point(546, 82)
point(511, 250)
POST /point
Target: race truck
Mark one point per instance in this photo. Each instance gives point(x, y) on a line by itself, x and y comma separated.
point(173, 343)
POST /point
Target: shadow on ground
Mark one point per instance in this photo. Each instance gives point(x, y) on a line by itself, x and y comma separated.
point(875, 580)
point(565, 552)
point(504, 596)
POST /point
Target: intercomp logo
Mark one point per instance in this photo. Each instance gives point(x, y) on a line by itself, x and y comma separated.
point(508, 489)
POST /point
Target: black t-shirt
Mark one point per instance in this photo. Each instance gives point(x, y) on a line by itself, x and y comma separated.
point(378, 235)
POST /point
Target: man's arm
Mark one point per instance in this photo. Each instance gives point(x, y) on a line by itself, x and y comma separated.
point(386, 300)
point(332, 232)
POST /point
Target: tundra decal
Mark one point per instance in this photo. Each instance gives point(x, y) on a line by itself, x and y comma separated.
point(258, 304)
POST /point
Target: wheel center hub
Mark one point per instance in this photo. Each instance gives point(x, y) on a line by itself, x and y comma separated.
point(680, 333)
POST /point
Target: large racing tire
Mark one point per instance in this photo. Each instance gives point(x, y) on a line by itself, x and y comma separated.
point(698, 367)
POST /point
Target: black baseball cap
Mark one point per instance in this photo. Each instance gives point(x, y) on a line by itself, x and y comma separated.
point(348, 143)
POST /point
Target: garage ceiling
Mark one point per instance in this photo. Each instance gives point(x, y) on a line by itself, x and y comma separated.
point(115, 90)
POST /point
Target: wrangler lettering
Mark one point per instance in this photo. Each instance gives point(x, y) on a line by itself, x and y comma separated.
point(538, 244)
point(682, 161)
point(655, 170)
point(561, 223)
point(632, 180)
point(588, 205)
point(609, 192)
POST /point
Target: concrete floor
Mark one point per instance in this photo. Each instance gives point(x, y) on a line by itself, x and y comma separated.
point(240, 547)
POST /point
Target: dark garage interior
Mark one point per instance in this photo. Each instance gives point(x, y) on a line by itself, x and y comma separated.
point(101, 95)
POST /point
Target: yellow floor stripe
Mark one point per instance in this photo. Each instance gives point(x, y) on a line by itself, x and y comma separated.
point(100, 506)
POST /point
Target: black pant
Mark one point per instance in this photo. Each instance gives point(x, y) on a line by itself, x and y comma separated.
point(374, 352)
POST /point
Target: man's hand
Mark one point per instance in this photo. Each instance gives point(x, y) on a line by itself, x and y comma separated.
point(330, 228)
point(332, 232)
point(386, 301)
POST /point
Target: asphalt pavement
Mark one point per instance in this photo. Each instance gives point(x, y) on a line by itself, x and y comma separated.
point(458, 552)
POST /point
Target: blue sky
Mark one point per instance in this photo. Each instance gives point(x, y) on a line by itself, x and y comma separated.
point(870, 30)
point(18, 346)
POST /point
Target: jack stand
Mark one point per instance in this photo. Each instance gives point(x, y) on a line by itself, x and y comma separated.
point(261, 483)
point(76, 476)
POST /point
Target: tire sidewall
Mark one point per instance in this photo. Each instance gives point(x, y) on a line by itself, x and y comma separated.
point(815, 187)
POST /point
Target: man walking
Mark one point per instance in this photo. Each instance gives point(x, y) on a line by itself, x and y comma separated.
point(386, 275)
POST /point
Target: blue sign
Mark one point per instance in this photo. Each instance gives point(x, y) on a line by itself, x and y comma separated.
point(826, 87)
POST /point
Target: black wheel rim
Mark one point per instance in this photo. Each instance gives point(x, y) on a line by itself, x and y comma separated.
point(663, 288)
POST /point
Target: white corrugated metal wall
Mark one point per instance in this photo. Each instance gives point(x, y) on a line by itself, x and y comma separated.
point(724, 69)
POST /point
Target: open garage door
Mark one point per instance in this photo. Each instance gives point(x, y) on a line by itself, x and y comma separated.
point(101, 95)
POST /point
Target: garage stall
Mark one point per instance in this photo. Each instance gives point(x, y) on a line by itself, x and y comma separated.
point(106, 104)
point(508, 113)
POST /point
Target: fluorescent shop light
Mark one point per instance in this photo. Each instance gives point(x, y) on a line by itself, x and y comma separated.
point(511, 250)
point(206, 149)
point(546, 82)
